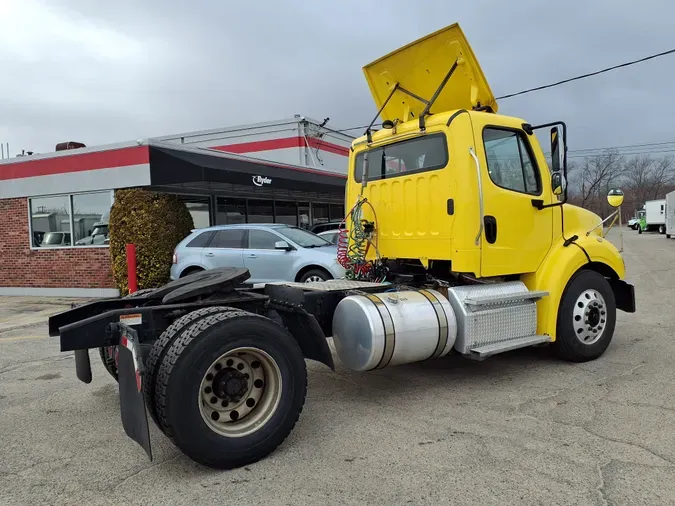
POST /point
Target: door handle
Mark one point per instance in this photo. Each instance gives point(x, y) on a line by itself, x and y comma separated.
point(209, 254)
point(252, 255)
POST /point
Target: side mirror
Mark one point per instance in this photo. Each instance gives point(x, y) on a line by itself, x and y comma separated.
point(282, 245)
point(615, 197)
point(557, 149)
point(558, 183)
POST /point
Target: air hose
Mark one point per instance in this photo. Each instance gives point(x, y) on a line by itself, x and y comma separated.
point(353, 244)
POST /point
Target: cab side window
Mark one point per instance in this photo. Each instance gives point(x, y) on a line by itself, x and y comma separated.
point(510, 164)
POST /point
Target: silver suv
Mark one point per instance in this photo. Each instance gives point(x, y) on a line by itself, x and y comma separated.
point(271, 252)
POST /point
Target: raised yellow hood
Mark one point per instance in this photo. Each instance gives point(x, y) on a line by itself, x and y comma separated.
point(420, 67)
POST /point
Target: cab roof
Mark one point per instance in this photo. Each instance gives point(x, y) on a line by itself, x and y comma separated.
point(416, 70)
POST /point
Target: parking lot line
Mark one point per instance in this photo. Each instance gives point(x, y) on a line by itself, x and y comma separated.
point(21, 338)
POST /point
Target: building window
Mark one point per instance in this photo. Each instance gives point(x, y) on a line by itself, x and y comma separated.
point(319, 213)
point(260, 211)
point(200, 209)
point(65, 221)
point(337, 212)
point(230, 211)
point(286, 212)
point(303, 214)
point(50, 222)
point(91, 213)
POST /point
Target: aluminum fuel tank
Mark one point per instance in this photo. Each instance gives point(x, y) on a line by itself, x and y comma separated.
point(373, 331)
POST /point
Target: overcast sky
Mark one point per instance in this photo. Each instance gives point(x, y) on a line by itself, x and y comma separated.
point(101, 72)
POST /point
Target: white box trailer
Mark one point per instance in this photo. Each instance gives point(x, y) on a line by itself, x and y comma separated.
point(655, 216)
point(670, 214)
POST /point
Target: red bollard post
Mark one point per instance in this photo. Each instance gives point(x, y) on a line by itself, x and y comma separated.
point(131, 268)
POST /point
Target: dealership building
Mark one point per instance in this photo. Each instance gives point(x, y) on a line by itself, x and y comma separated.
point(54, 206)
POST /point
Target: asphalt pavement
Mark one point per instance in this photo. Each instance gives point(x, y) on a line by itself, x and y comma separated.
point(520, 428)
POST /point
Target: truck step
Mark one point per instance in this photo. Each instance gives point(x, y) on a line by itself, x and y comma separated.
point(501, 298)
point(512, 344)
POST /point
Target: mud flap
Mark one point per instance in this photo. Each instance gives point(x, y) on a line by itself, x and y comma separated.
point(83, 365)
point(132, 399)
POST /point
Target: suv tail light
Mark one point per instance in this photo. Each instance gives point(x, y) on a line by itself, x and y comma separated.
point(174, 260)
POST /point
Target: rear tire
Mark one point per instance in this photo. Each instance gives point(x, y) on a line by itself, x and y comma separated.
point(161, 345)
point(190, 389)
point(586, 318)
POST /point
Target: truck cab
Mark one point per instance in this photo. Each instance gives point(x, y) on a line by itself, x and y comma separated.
point(452, 190)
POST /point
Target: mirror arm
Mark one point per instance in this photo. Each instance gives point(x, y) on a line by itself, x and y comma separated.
point(539, 203)
point(604, 221)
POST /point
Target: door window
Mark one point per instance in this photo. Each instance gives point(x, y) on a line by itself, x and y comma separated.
point(510, 164)
point(228, 239)
point(261, 239)
point(201, 241)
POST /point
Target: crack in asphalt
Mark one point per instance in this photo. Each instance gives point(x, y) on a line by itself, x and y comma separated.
point(602, 484)
point(149, 468)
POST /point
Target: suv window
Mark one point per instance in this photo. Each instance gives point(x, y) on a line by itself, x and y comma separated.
point(228, 239)
point(509, 161)
point(261, 239)
point(405, 157)
point(202, 240)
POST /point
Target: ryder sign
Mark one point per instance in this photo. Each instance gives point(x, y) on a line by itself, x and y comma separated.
point(261, 180)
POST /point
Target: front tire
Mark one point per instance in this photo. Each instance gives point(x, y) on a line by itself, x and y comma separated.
point(315, 275)
point(231, 388)
point(586, 318)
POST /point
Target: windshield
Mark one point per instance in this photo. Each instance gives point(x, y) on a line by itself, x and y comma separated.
point(303, 238)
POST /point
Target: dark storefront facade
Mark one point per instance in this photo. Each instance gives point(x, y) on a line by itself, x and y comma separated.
point(54, 206)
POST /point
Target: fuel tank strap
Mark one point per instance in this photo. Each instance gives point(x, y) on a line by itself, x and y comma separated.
point(389, 333)
point(443, 331)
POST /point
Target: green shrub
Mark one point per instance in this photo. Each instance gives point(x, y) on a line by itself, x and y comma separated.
point(155, 223)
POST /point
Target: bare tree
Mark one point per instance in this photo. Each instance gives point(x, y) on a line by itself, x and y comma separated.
point(595, 176)
point(647, 178)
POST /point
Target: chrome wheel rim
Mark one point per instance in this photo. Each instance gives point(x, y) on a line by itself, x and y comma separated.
point(314, 279)
point(590, 317)
point(240, 392)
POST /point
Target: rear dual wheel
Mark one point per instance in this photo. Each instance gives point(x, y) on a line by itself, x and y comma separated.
point(228, 387)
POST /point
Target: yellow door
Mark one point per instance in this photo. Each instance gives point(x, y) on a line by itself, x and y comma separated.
point(516, 235)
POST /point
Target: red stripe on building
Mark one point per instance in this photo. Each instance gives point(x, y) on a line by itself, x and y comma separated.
point(283, 143)
point(77, 162)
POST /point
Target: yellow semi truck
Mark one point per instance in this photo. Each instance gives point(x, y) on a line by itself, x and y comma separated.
point(458, 239)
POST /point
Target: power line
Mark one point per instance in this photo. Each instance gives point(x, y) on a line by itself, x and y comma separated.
point(657, 55)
